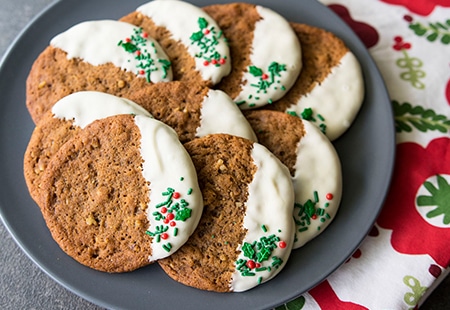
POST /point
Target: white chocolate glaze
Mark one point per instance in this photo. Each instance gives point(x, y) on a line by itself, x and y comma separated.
point(97, 42)
point(182, 21)
point(274, 41)
point(338, 98)
point(269, 205)
point(317, 169)
point(167, 165)
point(219, 114)
point(87, 106)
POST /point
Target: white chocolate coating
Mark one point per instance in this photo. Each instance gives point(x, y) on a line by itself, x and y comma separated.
point(168, 165)
point(219, 114)
point(97, 43)
point(338, 98)
point(317, 169)
point(273, 41)
point(269, 203)
point(87, 106)
point(182, 21)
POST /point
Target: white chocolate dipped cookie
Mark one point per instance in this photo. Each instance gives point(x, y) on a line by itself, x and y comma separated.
point(330, 89)
point(246, 233)
point(103, 55)
point(192, 39)
point(66, 118)
point(314, 166)
point(121, 194)
point(265, 52)
point(194, 110)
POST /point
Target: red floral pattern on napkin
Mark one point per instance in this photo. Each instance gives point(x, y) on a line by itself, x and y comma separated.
point(422, 7)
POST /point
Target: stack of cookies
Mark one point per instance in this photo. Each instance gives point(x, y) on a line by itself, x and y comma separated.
point(196, 138)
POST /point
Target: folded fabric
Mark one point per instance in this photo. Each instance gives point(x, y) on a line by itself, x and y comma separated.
point(407, 251)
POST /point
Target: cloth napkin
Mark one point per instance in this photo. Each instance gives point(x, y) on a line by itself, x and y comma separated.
point(408, 248)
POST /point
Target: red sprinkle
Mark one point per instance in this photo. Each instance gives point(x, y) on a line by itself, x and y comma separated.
point(258, 265)
point(142, 72)
point(214, 61)
point(251, 264)
point(145, 35)
point(282, 244)
point(164, 236)
point(170, 216)
point(173, 223)
point(166, 221)
point(205, 63)
point(163, 210)
point(128, 40)
point(138, 52)
point(222, 61)
point(206, 31)
point(264, 76)
point(176, 195)
point(314, 216)
point(329, 196)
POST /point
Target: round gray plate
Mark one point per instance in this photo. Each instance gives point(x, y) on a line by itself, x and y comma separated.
point(366, 151)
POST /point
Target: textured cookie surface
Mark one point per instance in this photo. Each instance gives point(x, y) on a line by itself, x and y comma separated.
point(191, 38)
point(66, 118)
point(106, 56)
point(266, 53)
point(103, 200)
point(193, 110)
point(329, 90)
point(212, 259)
point(314, 166)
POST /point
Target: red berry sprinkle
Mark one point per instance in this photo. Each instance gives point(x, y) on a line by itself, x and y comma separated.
point(163, 210)
point(176, 195)
point(145, 35)
point(205, 63)
point(166, 221)
point(214, 61)
point(164, 236)
point(329, 196)
point(257, 265)
point(222, 61)
point(128, 40)
point(170, 216)
point(138, 52)
point(173, 223)
point(251, 264)
point(206, 31)
point(142, 72)
point(398, 39)
point(264, 76)
point(314, 216)
point(282, 244)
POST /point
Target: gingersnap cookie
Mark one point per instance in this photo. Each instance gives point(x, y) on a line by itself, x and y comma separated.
point(246, 232)
point(194, 110)
point(108, 56)
point(191, 38)
point(66, 118)
point(330, 89)
point(314, 166)
point(121, 194)
point(265, 53)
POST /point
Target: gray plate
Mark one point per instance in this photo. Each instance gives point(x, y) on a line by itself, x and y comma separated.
point(366, 150)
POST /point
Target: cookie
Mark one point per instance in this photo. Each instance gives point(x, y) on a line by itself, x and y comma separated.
point(66, 118)
point(121, 194)
point(107, 56)
point(191, 38)
point(265, 53)
point(330, 89)
point(194, 110)
point(245, 235)
point(314, 166)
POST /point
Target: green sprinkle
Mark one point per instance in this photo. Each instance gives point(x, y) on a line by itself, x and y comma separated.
point(175, 232)
point(181, 179)
point(189, 191)
point(322, 219)
point(318, 227)
point(240, 102)
point(259, 280)
point(327, 216)
point(270, 101)
point(326, 205)
point(213, 236)
point(251, 105)
point(316, 196)
point(303, 229)
point(167, 247)
point(263, 227)
point(320, 117)
point(148, 233)
point(158, 238)
point(293, 113)
point(261, 269)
